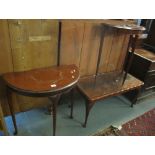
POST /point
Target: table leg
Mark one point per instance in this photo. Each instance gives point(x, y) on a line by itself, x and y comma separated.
point(88, 105)
point(72, 102)
point(2, 121)
point(54, 100)
point(53, 113)
point(132, 41)
point(138, 91)
point(11, 107)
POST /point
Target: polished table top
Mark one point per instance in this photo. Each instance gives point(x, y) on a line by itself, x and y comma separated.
point(51, 79)
point(105, 85)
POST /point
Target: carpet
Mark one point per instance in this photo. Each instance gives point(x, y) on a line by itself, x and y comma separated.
point(143, 125)
point(110, 131)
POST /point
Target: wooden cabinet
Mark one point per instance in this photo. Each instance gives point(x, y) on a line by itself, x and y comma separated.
point(143, 67)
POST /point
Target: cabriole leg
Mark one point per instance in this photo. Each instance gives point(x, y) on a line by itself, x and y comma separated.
point(72, 102)
point(54, 100)
point(88, 108)
point(11, 107)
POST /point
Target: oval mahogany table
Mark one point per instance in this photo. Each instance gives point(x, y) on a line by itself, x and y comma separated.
point(49, 82)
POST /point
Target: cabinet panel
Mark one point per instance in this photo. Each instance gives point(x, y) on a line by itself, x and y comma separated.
point(114, 50)
point(71, 42)
point(90, 49)
point(121, 60)
point(106, 50)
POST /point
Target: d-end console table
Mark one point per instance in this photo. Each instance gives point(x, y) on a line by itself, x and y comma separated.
point(49, 82)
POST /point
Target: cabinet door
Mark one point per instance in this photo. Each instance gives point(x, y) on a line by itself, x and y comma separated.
point(34, 45)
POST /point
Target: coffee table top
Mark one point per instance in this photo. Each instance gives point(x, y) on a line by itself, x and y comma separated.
point(106, 85)
point(45, 80)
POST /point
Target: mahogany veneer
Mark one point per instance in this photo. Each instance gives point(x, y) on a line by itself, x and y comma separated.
point(43, 81)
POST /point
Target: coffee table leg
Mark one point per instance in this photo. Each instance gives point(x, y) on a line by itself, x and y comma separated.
point(11, 107)
point(138, 91)
point(54, 100)
point(89, 105)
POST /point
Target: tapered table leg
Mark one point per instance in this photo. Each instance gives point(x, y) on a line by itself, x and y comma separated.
point(2, 121)
point(54, 100)
point(72, 102)
point(11, 107)
point(89, 105)
point(53, 113)
point(132, 41)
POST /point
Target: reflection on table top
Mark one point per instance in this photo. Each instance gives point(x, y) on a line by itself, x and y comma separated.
point(41, 80)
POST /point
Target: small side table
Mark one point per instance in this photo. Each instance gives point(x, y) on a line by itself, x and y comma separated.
point(49, 82)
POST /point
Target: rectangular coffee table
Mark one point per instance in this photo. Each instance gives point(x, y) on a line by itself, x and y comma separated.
point(99, 87)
